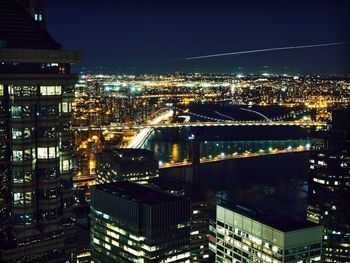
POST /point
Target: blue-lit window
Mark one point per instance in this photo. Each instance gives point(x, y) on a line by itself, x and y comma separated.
point(2, 43)
point(18, 177)
point(23, 219)
point(16, 111)
point(38, 17)
point(16, 133)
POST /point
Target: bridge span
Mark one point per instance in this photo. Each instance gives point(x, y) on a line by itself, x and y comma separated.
point(199, 124)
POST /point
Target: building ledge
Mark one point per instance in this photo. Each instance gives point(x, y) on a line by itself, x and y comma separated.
point(40, 56)
point(35, 79)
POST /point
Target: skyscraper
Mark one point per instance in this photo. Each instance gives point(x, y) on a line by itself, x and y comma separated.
point(329, 186)
point(36, 90)
point(131, 222)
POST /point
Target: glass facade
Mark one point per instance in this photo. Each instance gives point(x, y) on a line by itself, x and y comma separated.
point(240, 238)
point(113, 243)
point(36, 169)
point(145, 225)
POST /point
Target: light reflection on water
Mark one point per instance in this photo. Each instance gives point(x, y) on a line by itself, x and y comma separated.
point(178, 151)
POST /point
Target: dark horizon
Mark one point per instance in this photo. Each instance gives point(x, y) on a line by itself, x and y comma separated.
point(140, 38)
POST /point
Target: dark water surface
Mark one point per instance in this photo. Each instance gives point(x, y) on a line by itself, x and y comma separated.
point(277, 180)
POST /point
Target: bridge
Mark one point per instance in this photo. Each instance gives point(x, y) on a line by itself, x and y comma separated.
point(199, 124)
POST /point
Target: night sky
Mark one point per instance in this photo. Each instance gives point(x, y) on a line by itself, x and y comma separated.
point(154, 36)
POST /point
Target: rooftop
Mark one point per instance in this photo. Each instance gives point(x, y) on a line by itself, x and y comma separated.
point(137, 192)
point(270, 217)
point(130, 155)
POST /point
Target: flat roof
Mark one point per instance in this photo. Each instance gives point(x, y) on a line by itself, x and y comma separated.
point(270, 217)
point(132, 152)
point(138, 193)
point(129, 156)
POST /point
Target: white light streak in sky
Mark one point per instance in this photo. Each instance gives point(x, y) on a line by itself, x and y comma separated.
point(267, 50)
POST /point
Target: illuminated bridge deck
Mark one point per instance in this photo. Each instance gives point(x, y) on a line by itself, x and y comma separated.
point(200, 124)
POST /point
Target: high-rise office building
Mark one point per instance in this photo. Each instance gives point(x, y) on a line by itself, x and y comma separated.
point(138, 165)
point(254, 235)
point(131, 222)
point(329, 186)
point(36, 91)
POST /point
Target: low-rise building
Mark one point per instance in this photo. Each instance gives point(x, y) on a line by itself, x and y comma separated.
point(255, 235)
point(138, 165)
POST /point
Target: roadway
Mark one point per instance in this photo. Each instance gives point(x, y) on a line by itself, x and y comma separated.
point(220, 158)
point(227, 123)
point(144, 133)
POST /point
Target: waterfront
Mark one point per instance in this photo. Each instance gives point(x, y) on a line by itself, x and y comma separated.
point(278, 180)
point(166, 151)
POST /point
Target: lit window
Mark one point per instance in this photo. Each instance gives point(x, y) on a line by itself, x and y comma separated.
point(65, 107)
point(22, 198)
point(27, 154)
point(17, 155)
point(65, 165)
point(28, 176)
point(26, 133)
point(107, 246)
point(1, 90)
point(52, 153)
point(106, 216)
point(320, 181)
point(16, 133)
point(58, 90)
point(16, 111)
point(42, 153)
point(50, 90)
point(17, 177)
